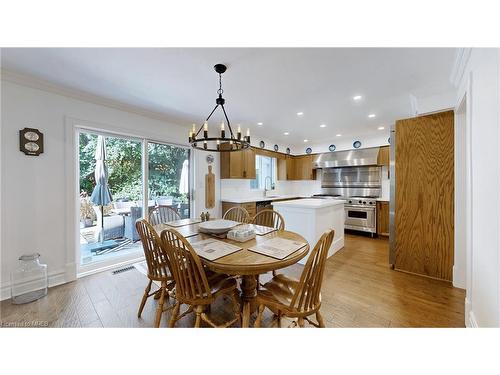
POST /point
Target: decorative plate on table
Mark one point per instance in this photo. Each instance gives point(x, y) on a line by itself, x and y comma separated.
point(276, 148)
point(217, 226)
point(332, 148)
point(356, 144)
point(308, 150)
point(262, 144)
point(288, 150)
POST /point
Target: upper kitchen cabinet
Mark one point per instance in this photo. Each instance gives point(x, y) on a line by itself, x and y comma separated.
point(238, 164)
point(296, 168)
point(304, 168)
point(383, 156)
point(286, 168)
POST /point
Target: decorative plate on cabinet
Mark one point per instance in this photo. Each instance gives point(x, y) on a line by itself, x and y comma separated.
point(262, 144)
point(332, 148)
point(308, 150)
point(288, 150)
point(389, 140)
point(276, 148)
point(356, 144)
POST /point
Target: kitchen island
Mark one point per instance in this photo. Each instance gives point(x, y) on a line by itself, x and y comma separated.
point(312, 217)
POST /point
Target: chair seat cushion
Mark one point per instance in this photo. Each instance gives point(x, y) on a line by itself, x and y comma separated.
point(279, 290)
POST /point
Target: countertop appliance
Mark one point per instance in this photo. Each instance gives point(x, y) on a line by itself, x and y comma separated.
point(359, 187)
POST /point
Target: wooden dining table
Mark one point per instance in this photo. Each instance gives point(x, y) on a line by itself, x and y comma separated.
point(245, 263)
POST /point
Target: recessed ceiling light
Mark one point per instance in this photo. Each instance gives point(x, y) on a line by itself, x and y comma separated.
point(260, 123)
point(381, 128)
point(357, 97)
point(371, 115)
point(338, 135)
point(286, 133)
point(322, 126)
point(300, 113)
point(306, 140)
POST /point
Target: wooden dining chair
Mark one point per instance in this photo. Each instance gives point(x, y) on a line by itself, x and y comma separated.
point(163, 214)
point(158, 268)
point(193, 287)
point(297, 299)
point(238, 214)
point(269, 218)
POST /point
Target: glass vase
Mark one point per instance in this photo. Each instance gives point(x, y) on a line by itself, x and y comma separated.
point(29, 281)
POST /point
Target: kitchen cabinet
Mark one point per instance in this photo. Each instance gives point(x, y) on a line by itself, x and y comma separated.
point(383, 218)
point(296, 168)
point(383, 156)
point(238, 164)
point(251, 207)
point(286, 168)
point(303, 168)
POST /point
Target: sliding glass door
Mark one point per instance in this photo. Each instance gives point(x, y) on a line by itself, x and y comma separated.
point(112, 174)
point(168, 177)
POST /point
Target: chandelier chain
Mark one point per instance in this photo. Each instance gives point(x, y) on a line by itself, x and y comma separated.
point(220, 90)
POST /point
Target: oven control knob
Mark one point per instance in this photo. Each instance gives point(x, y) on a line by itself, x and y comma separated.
point(359, 202)
point(364, 202)
point(350, 201)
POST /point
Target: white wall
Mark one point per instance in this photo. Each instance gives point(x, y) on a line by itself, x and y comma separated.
point(34, 198)
point(480, 81)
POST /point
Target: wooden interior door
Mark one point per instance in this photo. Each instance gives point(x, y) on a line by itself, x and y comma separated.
point(424, 162)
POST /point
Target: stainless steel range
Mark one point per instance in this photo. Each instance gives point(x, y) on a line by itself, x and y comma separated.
point(359, 187)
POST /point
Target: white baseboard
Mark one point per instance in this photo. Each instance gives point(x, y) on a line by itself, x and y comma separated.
point(470, 318)
point(55, 278)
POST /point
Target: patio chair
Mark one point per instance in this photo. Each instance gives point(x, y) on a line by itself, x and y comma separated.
point(113, 225)
point(163, 214)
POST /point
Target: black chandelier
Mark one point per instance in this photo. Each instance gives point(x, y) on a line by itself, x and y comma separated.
point(222, 143)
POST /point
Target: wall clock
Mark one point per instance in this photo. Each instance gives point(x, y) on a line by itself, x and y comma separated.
point(276, 148)
point(356, 144)
point(31, 141)
point(308, 150)
point(332, 148)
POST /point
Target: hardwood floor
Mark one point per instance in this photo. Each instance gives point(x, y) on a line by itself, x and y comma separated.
point(359, 290)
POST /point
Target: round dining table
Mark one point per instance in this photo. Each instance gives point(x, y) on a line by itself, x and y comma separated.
point(245, 263)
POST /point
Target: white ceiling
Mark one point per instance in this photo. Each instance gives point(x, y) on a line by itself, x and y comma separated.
point(261, 85)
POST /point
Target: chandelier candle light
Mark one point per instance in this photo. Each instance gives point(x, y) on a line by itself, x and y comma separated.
point(222, 143)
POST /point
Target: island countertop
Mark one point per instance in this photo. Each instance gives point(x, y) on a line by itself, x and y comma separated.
point(309, 203)
point(260, 199)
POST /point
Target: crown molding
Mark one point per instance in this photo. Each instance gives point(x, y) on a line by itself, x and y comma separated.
point(41, 84)
point(462, 57)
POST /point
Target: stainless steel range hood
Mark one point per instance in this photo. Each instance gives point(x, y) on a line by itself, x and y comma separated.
point(349, 158)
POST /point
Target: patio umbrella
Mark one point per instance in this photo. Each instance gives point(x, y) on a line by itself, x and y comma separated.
point(101, 196)
point(184, 182)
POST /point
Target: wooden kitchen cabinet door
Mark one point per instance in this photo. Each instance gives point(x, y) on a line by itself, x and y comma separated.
point(238, 164)
point(286, 168)
point(383, 218)
point(249, 164)
point(383, 158)
point(303, 168)
point(424, 202)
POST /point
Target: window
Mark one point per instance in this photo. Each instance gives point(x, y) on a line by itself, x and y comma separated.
point(265, 172)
